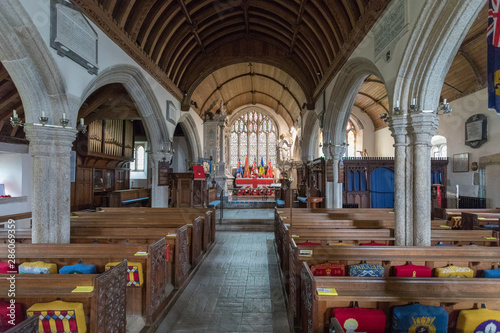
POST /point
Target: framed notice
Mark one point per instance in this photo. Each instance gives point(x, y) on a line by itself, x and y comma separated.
point(476, 130)
point(461, 162)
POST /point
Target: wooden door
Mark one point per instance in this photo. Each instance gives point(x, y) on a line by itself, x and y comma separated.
point(84, 193)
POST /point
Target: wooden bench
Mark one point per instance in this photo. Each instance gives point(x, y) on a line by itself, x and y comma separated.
point(447, 213)
point(103, 307)
point(147, 301)
point(123, 198)
point(30, 325)
point(480, 220)
point(382, 293)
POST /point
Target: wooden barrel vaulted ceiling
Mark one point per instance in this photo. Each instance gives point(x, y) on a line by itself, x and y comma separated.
point(298, 45)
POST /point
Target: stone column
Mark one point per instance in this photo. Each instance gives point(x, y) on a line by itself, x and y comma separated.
point(220, 175)
point(159, 194)
point(423, 125)
point(398, 127)
point(337, 152)
point(328, 185)
point(409, 191)
point(50, 148)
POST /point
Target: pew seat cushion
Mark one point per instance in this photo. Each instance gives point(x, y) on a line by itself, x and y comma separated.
point(134, 273)
point(360, 319)
point(492, 273)
point(8, 268)
point(373, 244)
point(328, 269)
point(78, 269)
point(366, 270)
point(411, 270)
point(478, 320)
point(419, 318)
point(11, 314)
point(37, 267)
point(59, 316)
point(452, 271)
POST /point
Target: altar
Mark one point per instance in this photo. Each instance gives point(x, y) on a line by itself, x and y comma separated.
point(254, 182)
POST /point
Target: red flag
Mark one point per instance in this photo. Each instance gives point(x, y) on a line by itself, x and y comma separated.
point(246, 173)
point(269, 170)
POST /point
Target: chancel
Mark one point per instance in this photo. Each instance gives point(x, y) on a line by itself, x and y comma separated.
point(249, 166)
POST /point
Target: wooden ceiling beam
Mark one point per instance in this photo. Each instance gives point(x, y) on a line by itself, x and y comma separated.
point(193, 25)
point(9, 99)
point(103, 95)
point(349, 10)
point(109, 6)
point(473, 66)
point(296, 25)
point(124, 11)
point(245, 5)
point(134, 25)
point(101, 113)
point(265, 94)
point(375, 101)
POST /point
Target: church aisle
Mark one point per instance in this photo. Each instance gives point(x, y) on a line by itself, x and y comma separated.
point(237, 289)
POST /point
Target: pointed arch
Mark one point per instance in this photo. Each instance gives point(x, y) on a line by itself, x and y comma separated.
point(140, 91)
point(188, 124)
point(344, 92)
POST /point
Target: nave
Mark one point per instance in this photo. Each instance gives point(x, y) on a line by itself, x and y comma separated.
point(236, 289)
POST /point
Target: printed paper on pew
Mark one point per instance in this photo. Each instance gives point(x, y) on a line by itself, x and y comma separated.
point(83, 289)
point(141, 253)
point(305, 253)
point(326, 291)
point(295, 236)
point(287, 225)
point(171, 235)
point(445, 226)
point(280, 212)
point(284, 217)
point(481, 218)
point(74, 216)
point(491, 238)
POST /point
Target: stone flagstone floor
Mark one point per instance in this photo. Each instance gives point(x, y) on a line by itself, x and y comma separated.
point(236, 289)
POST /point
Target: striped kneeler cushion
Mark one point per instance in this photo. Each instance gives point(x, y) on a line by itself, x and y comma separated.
point(360, 319)
point(134, 273)
point(59, 317)
point(366, 270)
point(478, 320)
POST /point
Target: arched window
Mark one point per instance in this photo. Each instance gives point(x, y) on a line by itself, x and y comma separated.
point(253, 135)
point(138, 163)
point(320, 143)
point(350, 139)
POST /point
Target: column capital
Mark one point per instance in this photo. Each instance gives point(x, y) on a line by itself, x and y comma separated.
point(159, 156)
point(50, 140)
point(423, 126)
point(337, 151)
point(398, 125)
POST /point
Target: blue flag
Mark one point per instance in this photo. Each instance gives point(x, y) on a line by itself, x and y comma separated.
point(261, 161)
point(494, 56)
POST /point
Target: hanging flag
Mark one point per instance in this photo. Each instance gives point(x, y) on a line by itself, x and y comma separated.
point(494, 56)
point(246, 174)
point(261, 161)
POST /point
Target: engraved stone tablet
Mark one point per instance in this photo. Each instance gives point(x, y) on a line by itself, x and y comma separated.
point(392, 25)
point(73, 36)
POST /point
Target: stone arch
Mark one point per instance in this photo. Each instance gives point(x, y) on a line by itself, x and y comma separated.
point(344, 92)
point(140, 91)
point(29, 62)
point(309, 135)
point(189, 127)
point(281, 124)
point(435, 41)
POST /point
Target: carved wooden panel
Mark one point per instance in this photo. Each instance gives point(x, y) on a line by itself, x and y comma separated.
point(307, 301)
point(184, 193)
point(182, 265)
point(157, 268)
point(197, 240)
point(293, 288)
point(197, 193)
point(207, 229)
point(111, 302)
point(30, 325)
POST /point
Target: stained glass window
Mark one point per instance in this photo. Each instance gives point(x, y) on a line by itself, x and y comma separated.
point(257, 139)
point(351, 140)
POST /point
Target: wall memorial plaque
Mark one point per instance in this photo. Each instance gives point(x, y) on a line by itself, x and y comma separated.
point(72, 35)
point(476, 130)
point(392, 25)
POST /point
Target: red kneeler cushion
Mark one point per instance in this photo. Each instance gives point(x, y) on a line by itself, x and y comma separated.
point(360, 319)
point(328, 269)
point(16, 311)
point(411, 270)
point(373, 244)
point(308, 243)
point(6, 269)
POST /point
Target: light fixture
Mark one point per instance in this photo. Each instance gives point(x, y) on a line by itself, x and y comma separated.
point(64, 121)
point(384, 117)
point(444, 108)
point(195, 104)
point(413, 105)
point(81, 126)
point(15, 120)
point(397, 110)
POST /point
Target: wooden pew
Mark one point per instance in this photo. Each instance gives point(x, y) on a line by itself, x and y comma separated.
point(447, 213)
point(30, 325)
point(479, 220)
point(476, 258)
point(124, 198)
point(103, 307)
point(147, 301)
point(382, 293)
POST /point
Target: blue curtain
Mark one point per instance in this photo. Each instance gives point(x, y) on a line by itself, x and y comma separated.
point(363, 181)
point(382, 188)
point(356, 181)
point(350, 186)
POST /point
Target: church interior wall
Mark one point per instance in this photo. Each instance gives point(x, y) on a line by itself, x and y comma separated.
point(384, 143)
point(365, 134)
point(181, 146)
point(453, 129)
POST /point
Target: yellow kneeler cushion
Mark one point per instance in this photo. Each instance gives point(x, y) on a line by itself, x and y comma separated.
point(37, 267)
point(134, 273)
point(454, 272)
point(478, 320)
point(59, 316)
